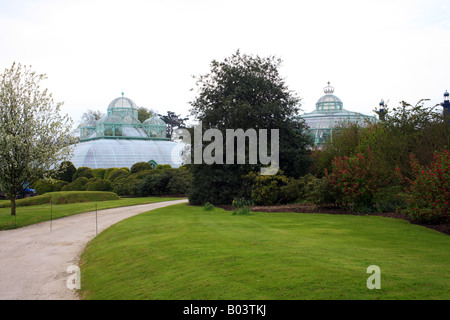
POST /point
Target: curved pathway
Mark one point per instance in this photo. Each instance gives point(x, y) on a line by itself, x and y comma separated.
point(34, 259)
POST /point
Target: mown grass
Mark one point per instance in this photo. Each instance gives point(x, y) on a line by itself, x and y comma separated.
point(184, 252)
point(38, 209)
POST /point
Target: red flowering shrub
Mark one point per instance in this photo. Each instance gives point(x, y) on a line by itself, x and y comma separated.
point(357, 180)
point(428, 192)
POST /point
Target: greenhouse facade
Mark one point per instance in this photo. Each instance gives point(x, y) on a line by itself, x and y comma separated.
point(328, 115)
point(119, 140)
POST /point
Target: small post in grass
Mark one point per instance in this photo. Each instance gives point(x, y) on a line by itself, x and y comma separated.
point(96, 224)
point(51, 215)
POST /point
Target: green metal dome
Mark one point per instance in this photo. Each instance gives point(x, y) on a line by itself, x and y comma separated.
point(121, 122)
point(329, 102)
point(328, 115)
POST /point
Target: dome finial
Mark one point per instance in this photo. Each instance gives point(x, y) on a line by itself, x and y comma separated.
point(328, 89)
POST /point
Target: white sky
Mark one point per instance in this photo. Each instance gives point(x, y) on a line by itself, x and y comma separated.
point(93, 50)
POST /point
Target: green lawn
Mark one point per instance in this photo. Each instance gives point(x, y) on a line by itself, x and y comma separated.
point(26, 215)
point(183, 252)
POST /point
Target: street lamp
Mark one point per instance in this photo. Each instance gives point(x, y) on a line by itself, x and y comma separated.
point(446, 106)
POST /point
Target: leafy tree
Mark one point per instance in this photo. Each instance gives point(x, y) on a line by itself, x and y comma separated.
point(246, 92)
point(91, 114)
point(144, 113)
point(173, 122)
point(33, 134)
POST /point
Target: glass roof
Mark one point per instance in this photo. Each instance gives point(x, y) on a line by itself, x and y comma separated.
point(122, 102)
point(121, 122)
point(116, 153)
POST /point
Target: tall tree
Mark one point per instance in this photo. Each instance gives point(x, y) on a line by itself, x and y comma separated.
point(246, 92)
point(173, 122)
point(33, 134)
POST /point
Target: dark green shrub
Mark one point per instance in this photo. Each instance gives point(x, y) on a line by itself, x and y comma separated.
point(116, 174)
point(108, 172)
point(99, 173)
point(129, 185)
point(79, 184)
point(83, 172)
point(155, 184)
point(272, 189)
point(66, 171)
point(319, 192)
point(179, 182)
point(99, 185)
point(46, 185)
point(140, 166)
point(163, 166)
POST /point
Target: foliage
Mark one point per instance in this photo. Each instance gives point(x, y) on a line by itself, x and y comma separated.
point(246, 92)
point(357, 180)
point(173, 121)
point(272, 189)
point(66, 171)
point(33, 134)
point(79, 184)
point(241, 206)
point(117, 174)
point(428, 192)
point(144, 113)
point(208, 207)
point(99, 173)
point(108, 172)
point(99, 185)
point(83, 172)
point(48, 185)
point(140, 166)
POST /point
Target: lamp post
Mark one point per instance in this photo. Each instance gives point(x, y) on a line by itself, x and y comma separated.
point(382, 111)
point(446, 106)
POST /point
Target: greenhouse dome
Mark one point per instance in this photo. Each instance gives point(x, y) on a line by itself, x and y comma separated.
point(120, 140)
point(328, 115)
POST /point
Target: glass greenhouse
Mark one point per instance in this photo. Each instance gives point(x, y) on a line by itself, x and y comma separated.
point(328, 114)
point(120, 140)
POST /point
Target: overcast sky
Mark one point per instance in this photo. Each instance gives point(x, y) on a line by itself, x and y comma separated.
point(93, 50)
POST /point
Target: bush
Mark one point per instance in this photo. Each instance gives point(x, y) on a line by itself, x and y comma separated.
point(272, 189)
point(141, 166)
point(66, 171)
point(241, 206)
point(428, 192)
point(356, 180)
point(49, 185)
point(208, 207)
point(129, 185)
point(99, 185)
point(108, 172)
point(99, 173)
point(319, 192)
point(83, 172)
point(155, 184)
point(117, 174)
point(179, 182)
point(79, 184)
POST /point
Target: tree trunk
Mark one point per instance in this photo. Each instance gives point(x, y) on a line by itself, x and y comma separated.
point(13, 206)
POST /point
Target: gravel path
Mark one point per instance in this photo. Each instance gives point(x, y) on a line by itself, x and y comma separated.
point(34, 259)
